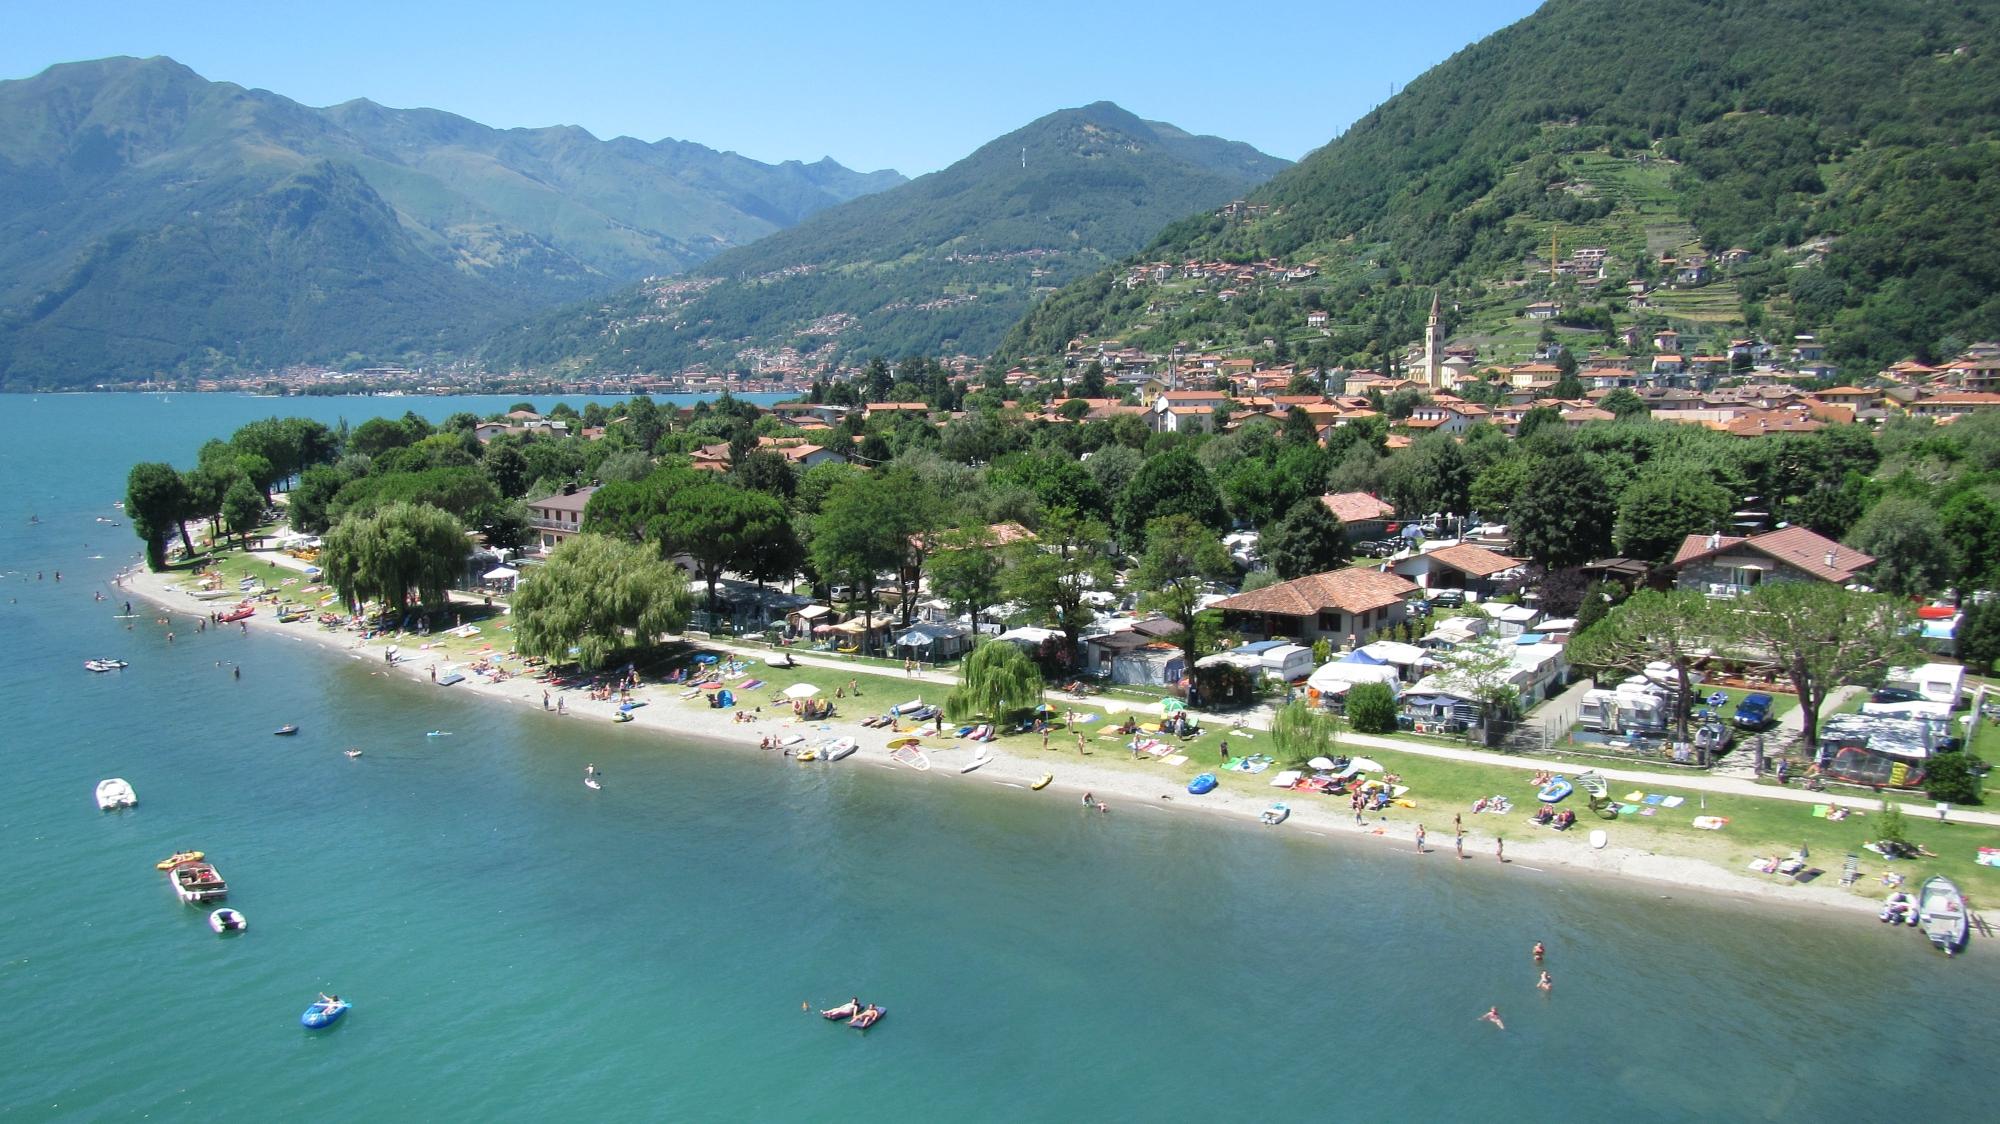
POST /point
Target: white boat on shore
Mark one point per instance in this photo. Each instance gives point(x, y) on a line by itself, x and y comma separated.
point(209, 594)
point(114, 793)
point(839, 748)
point(985, 756)
point(1941, 911)
point(197, 882)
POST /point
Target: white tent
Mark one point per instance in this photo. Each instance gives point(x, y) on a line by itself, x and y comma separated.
point(1335, 678)
point(801, 691)
point(502, 574)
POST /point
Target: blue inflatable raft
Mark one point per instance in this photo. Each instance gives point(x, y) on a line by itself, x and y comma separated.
point(1201, 784)
point(323, 1014)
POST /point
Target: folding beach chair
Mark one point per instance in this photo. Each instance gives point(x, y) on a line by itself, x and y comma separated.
point(1850, 871)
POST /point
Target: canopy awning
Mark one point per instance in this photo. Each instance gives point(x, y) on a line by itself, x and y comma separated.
point(502, 573)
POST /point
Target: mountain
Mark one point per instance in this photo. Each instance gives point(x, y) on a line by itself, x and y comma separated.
point(1821, 166)
point(108, 168)
point(942, 264)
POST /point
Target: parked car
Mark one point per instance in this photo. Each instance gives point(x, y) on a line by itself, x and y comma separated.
point(1895, 695)
point(1447, 598)
point(1753, 712)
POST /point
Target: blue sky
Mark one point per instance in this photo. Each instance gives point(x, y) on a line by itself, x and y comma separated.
point(913, 86)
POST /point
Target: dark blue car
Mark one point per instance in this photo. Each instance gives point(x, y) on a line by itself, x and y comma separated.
point(1754, 712)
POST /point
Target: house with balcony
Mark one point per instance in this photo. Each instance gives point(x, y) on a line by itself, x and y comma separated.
point(1345, 607)
point(557, 518)
point(1731, 565)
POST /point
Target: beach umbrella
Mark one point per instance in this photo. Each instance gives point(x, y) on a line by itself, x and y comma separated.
point(1169, 706)
point(801, 691)
point(1320, 763)
point(1044, 708)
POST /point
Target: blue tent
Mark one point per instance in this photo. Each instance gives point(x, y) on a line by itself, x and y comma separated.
point(1361, 657)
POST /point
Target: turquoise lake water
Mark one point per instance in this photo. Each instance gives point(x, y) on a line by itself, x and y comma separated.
point(520, 947)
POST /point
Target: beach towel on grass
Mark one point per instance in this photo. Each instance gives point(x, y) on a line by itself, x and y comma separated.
point(1819, 811)
point(1634, 796)
point(1176, 759)
point(1654, 798)
point(1627, 809)
point(1673, 802)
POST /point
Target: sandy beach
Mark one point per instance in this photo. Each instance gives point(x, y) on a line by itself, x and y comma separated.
point(1016, 764)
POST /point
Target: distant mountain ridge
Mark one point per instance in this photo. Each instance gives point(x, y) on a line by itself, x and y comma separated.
point(104, 160)
point(941, 264)
point(1832, 165)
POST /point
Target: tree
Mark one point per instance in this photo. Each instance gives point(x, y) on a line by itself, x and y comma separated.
point(594, 596)
point(766, 471)
point(1535, 419)
point(156, 501)
point(1431, 475)
point(243, 507)
point(1172, 483)
point(1302, 732)
point(1308, 540)
point(715, 524)
point(1371, 708)
point(965, 569)
point(1625, 405)
point(1052, 576)
point(1662, 507)
point(1979, 639)
point(996, 680)
point(1906, 536)
point(1972, 527)
point(402, 550)
point(1822, 636)
point(859, 533)
point(311, 499)
point(1181, 558)
point(1676, 628)
point(1563, 516)
point(1486, 673)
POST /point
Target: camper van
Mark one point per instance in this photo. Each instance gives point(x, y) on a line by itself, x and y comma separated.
point(1936, 682)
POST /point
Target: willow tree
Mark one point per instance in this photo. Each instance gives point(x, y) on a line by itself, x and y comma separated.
point(594, 596)
point(1302, 732)
point(996, 679)
point(402, 553)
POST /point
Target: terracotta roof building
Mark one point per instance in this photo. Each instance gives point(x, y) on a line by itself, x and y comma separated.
point(1344, 606)
point(1728, 565)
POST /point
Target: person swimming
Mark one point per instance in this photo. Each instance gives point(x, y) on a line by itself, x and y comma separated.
point(1546, 983)
point(1492, 1015)
point(1539, 950)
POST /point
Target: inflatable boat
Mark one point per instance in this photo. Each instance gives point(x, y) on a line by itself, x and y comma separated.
point(1556, 790)
point(1202, 784)
point(324, 1013)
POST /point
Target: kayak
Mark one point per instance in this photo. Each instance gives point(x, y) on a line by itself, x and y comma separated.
point(323, 1014)
point(178, 858)
point(1044, 782)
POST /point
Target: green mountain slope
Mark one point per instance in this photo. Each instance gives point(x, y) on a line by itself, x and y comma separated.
point(1847, 145)
point(98, 158)
point(943, 263)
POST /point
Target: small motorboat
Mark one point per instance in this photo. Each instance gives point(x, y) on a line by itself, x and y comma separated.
point(622, 716)
point(227, 921)
point(177, 859)
point(1044, 782)
point(114, 793)
point(285, 731)
point(353, 753)
point(239, 613)
point(324, 1012)
point(1275, 814)
point(103, 665)
point(839, 748)
point(1556, 790)
point(197, 882)
point(437, 734)
point(1205, 783)
point(1941, 911)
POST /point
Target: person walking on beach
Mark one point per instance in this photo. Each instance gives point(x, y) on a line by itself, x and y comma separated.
point(1045, 737)
point(1458, 842)
point(545, 700)
point(434, 673)
point(1420, 839)
point(1500, 849)
point(562, 706)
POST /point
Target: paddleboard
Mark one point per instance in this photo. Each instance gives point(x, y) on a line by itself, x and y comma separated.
point(591, 782)
point(1598, 839)
point(975, 763)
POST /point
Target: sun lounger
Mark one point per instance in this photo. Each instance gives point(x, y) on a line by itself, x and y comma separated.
point(1850, 871)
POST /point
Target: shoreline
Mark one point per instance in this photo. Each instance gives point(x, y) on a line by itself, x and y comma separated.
point(1012, 765)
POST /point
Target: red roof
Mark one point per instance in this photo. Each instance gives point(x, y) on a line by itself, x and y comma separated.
point(1357, 507)
point(1353, 590)
point(1476, 561)
point(1798, 547)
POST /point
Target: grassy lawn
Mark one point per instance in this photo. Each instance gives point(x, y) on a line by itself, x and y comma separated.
point(1757, 828)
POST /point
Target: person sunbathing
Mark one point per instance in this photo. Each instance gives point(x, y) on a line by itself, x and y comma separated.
point(846, 1010)
point(867, 1018)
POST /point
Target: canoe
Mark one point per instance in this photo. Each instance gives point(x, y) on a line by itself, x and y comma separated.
point(322, 1014)
point(1044, 782)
